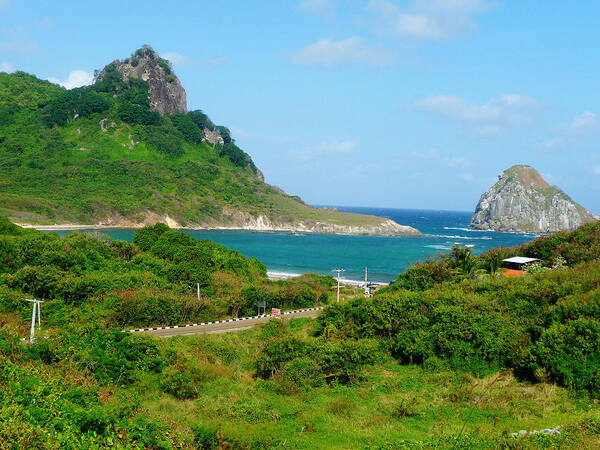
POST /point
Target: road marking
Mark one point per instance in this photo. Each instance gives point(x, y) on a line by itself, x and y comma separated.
point(203, 324)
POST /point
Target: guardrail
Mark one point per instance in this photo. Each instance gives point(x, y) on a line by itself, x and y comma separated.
point(239, 319)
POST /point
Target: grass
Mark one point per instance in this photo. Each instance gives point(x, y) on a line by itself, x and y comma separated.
point(391, 404)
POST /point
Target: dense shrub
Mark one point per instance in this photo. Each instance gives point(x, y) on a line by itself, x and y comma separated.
point(112, 356)
point(308, 363)
point(201, 120)
point(190, 130)
point(146, 237)
point(420, 277)
point(237, 156)
point(225, 134)
point(36, 402)
point(567, 353)
point(544, 326)
point(183, 379)
point(140, 307)
point(276, 352)
point(133, 113)
point(112, 80)
point(82, 102)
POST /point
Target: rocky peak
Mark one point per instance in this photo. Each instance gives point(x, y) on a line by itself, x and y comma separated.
point(522, 200)
point(167, 95)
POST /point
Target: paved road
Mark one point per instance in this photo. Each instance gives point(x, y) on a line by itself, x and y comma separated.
point(224, 325)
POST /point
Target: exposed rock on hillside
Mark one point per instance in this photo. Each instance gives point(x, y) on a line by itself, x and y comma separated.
point(523, 201)
point(213, 137)
point(167, 95)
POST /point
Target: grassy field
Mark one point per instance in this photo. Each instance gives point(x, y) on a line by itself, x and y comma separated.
point(389, 406)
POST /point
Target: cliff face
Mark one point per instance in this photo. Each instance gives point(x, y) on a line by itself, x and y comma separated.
point(167, 95)
point(522, 201)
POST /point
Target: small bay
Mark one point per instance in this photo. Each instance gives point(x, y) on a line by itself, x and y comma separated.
point(290, 253)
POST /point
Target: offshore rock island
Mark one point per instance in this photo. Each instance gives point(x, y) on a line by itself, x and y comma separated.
point(126, 152)
point(522, 201)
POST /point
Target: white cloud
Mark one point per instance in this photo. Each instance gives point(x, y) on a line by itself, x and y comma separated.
point(19, 47)
point(213, 62)
point(6, 67)
point(453, 162)
point(326, 148)
point(18, 38)
point(458, 162)
point(176, 58)
point(76, 78)
point(354, 50)
point(552, 143)
point(428, 20)
point(585, 124)
point(319, 8)
point(336, 147)
point(582, 126)
point(426, 154)
point(490, 118)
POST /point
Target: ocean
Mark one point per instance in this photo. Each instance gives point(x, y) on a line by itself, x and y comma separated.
point(288, 254)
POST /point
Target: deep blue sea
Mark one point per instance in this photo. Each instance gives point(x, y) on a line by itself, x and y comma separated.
point(385, 257)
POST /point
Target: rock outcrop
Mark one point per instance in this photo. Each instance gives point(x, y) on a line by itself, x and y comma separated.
point(522, 201)
point(213, 137)
point(241, 220)
point(167, 95)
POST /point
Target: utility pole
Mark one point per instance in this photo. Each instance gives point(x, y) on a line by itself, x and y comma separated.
point(198, 290)
point(338, 280)
point(36, 311)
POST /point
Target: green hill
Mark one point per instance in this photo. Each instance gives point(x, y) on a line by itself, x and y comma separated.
point(105, 155)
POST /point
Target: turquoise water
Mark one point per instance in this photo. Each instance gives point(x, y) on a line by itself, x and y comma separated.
point(385, 256)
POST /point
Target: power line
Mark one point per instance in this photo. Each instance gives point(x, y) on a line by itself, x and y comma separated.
point(339, 271)
point(35, 312)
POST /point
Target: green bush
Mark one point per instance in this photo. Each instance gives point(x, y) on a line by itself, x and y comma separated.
point(183, 379)
point(117, 357)
point(201, 120)
point(342, 360)
point(299, 374)
point(423, 276)
point(567, 353)
point(276, 352)
point(237, 156)
point(133, 113)
point(190, 130)
point(146, 237)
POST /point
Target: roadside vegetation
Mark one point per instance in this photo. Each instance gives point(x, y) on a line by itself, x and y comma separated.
point(451, 355)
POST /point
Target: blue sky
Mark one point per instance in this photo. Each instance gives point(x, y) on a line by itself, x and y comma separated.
point(406, 104)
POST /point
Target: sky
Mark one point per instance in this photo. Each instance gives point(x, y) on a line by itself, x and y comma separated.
point(402, 104)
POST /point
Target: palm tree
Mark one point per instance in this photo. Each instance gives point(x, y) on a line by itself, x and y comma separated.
point(463, 260)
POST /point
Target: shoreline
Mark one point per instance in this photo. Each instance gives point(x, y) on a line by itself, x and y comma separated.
point(277, 275)
point(79, 227)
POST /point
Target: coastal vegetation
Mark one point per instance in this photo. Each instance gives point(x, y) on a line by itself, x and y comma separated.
point(451, 355)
